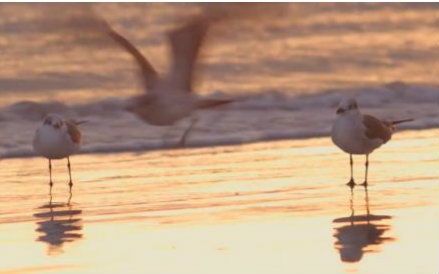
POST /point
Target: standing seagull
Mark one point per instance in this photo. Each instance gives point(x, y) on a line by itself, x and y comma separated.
point(170, 98)
point(355, 133)
point(57, 138)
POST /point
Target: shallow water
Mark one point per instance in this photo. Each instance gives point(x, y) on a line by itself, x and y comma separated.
point(277, 206)
point(269, 207)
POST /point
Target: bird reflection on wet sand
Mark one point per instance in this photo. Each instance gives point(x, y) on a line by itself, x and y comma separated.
point(58, 223)
point(361, 234)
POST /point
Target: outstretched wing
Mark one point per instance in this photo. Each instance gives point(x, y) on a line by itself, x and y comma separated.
point(185, 45)
point(148, 73)
point(376, 129)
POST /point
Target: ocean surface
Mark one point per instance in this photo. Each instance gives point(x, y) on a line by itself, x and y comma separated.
point(262, 187)
point(287, 72)
point(267, 207)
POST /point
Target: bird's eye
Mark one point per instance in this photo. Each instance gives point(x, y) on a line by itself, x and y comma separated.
point(58, 124)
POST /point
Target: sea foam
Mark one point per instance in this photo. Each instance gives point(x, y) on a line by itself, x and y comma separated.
point(269, 115)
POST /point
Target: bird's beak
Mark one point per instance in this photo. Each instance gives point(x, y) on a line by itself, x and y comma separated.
point(340, 110)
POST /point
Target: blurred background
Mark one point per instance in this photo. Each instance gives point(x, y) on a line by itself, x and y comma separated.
point(293, 66)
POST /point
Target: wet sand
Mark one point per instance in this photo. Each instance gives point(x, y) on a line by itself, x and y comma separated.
point(269, 207)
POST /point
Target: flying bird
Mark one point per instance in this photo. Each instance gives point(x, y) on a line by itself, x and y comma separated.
point(357, 133)
point(170, 98)
point(57, 138)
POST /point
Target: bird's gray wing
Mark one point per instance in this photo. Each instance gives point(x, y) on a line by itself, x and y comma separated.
point(376, 129)
point(148, 73)
point(73, 131)
point(185, 45)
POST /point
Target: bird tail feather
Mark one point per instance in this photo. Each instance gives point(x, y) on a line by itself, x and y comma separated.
point(80, 122)
point(402, 121)
point(210, 103)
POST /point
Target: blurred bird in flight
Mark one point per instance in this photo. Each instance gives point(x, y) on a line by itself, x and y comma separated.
point(170, 98)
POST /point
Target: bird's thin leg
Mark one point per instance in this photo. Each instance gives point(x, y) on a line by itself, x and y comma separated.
point(182, 142)
point(351, 182)
point(70, 174)
point(50, 175)
point(366, 172)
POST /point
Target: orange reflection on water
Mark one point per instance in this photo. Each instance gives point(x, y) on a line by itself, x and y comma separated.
point(360, 233)
point(256, 208)
point(58, 224)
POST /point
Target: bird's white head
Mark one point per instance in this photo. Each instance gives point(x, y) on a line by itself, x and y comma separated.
point(53, 120)
point(347, 106)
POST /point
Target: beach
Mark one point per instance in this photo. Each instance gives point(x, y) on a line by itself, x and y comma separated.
point(259, 186)
point(265, 207)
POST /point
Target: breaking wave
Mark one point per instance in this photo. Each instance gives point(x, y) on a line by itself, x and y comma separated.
point(270, 115)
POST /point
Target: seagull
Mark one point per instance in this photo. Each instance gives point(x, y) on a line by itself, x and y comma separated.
point(57, 138)
point(170, 98)
point(357, 133)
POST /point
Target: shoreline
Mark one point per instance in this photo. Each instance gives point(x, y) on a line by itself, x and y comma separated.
point(159, 145)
